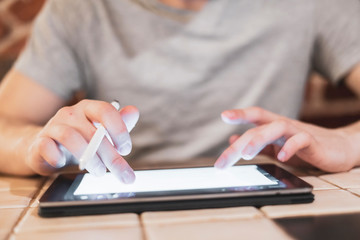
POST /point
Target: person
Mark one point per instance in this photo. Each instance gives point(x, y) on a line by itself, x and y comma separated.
point(181, 63)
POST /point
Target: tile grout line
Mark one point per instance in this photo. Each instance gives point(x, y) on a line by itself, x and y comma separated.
point(142, 226)
point(355, 194)
point(23, 213)
point(341, 188)
point(26, 209)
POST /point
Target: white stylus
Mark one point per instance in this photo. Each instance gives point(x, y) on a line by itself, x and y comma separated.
point(95, 141)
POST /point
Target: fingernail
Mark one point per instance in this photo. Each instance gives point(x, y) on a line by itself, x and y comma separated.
point(228, 114)
point(65, 154)
point(128, 176)
point(125, 149)
point(281, 156)
point(231, 118)
point(61, 162)
point(247, 157)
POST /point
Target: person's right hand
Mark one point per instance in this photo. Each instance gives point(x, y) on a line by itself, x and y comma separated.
point(72, 127)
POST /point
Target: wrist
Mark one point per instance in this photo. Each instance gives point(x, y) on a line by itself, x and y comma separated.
point(351, 137)
point(22, 148)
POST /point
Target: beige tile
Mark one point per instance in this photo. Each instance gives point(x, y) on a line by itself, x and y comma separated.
point(326, 202)
point(343, 180)
point(253, 228)
point(17, 183)
point(221, 223)
point(355, 170)
point(318, 184)
point(9, 216)
point(133, 233)
point(356, 191)
point(4, 234)
point(200, 215)
point(16, 198)
point(32, 222)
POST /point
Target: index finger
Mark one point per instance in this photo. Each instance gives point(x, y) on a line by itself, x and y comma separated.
point(116, 164)
point(110, 118)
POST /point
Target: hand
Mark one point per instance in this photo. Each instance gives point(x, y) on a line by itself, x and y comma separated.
point(328, 149)
point(72, 127)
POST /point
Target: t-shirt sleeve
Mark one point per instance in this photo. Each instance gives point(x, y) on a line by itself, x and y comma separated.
point(49, 57)
point(337, 48)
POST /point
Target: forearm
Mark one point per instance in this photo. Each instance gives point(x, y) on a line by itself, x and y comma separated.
point(16, 138)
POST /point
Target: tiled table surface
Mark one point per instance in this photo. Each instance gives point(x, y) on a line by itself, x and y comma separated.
point(334, 194)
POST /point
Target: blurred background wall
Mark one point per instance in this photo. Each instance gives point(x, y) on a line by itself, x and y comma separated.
point(326, 105)
point(16, 17)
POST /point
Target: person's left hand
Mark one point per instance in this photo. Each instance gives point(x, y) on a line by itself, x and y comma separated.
point(327, 149)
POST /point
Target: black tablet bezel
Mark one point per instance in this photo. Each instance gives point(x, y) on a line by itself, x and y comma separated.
point(54, 201)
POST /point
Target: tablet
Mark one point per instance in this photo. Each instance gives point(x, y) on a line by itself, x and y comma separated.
point(174, 189)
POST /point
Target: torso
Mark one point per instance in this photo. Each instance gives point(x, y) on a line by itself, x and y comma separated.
point(182, 75)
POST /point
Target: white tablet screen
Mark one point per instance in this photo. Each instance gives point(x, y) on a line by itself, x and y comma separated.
point(175, 179)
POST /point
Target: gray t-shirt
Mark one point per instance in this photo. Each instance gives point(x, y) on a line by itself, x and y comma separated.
point(183, 74)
